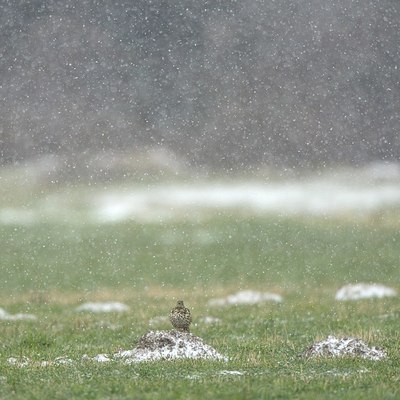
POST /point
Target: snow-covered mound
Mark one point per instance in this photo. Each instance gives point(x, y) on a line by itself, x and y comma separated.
point(246, 297)
point(5, 316)
point(364, 291)
point(342, 347)
point(163, 345)
point(169, 345)
point(111, 306)
point(153, 346)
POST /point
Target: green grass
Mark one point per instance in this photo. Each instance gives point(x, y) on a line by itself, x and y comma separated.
point(49, 269)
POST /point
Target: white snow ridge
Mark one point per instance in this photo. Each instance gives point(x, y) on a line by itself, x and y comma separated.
point(364, 291)
point(5, 316)
point(346, 346)
point(111, 306)
point(246, 297)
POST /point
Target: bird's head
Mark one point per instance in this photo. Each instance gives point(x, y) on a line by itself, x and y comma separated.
point(179, 303)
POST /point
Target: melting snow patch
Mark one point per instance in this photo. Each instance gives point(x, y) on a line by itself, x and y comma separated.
point(111, 306)
point(210, 320)
point(153, 346)
point(18, 362)
point(25, 362)
point(5, 316)
point(346, 346)
point(364, 291)
point(226, 372)
point(246, 297)
point(101, 358)
point(318, 197)
point(169, 345)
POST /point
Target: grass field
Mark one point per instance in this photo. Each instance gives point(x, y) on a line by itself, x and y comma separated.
point(49, 268)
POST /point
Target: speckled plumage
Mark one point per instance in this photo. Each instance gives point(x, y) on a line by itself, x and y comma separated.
point(180, 317)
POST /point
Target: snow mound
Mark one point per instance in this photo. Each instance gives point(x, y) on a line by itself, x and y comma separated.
point(342, 347)
point(5, 316)
point(364, 291)
point(246, 297)
point(153, 346)
point(111, 306)
point(169, 345)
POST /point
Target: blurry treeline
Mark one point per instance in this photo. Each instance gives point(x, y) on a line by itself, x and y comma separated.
point(221, 82)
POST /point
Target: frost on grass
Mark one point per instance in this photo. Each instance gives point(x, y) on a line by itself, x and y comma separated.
point(227, 372)
point(5, 316)
point(21, 362)
point(364, 291)
point(246, 297)
point(111, 306)
point(344, 347)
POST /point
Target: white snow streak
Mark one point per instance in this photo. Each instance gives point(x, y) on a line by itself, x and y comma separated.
point(246, 297)
point(317, 198)
point(111, 306)
point(5, 316)
point(365, 192)
point(364, 291)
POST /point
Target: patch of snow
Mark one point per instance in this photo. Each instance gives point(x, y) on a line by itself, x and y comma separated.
point(246, 297)
point(342, 347)
point(101, 358)
point(226, 372)
point(364, 291)
point(194, 377)
point(338, 373)
point(210, 320)
point(366, 191)
point(169, 345)
point(288, 198)
point(153, 346)
point(63, 361)
point(25, 361)
point(18, 362)
point(5, 316)
point(111, 306)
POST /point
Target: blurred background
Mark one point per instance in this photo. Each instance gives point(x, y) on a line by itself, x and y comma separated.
point(164, 143)
point(158, 104)
point(220, 85)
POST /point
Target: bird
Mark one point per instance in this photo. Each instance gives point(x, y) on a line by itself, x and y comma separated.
point(180, 317)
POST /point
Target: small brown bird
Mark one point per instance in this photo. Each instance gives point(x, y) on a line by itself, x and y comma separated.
point(180, 317)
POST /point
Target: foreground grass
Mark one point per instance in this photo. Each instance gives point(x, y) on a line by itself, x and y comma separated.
point(49, 269)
